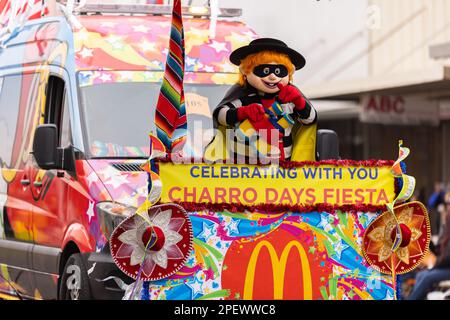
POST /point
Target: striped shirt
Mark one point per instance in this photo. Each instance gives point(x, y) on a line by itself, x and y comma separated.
point(226, 115)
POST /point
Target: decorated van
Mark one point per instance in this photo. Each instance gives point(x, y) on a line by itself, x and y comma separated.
point(92, 208)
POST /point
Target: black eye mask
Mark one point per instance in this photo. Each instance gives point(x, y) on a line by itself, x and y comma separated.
point(263, 70)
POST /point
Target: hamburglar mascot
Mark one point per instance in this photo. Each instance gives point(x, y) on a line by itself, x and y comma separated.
point(264, 111)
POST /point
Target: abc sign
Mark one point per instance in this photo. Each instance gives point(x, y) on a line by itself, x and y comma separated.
point(386, 104)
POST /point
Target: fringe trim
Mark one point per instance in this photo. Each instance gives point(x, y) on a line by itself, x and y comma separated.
point(277, 208)
point(293, 164)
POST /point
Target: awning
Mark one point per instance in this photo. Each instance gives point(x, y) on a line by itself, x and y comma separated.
point(334, 110)
point(434, 80)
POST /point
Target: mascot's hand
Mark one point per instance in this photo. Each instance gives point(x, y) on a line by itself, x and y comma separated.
point(290, 93)
point(254, 112)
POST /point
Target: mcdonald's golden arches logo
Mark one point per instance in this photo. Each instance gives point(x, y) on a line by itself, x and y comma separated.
point(276, 267)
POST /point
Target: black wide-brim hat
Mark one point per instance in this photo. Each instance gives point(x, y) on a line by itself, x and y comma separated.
point(267, 44)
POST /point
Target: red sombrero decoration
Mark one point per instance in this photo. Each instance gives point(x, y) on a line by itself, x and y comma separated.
point(153, 245)
point(380, 235)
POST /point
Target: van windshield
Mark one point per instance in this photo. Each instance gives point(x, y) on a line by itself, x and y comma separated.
point(119, 117)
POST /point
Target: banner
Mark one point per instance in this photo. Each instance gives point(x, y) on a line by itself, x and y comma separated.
point(253, 185)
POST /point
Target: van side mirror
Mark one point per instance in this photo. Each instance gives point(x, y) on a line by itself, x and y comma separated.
point(45, 146)
point(327, 145)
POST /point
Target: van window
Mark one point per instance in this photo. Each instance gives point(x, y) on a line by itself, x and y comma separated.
point(66, 138)
point(10, 91)
point(18, 109)
point(120, 115)
point(57, 109)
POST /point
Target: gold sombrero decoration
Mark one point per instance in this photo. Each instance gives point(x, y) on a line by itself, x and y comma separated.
point(411, 219)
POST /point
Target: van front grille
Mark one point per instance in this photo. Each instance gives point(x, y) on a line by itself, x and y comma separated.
point(133, 167)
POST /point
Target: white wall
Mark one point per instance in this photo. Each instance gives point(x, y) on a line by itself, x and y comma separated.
point(332, 34)
point(401, 44)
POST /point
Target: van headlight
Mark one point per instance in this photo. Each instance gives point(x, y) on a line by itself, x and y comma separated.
point(111, 214)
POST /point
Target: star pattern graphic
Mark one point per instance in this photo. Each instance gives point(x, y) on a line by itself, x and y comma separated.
point(209, 274)
point(82, 34)
point(90, 211)
point(85, 77)
point(336, 221)
point(86, 53)
point(191, 261)
point(91, 178)
point(108, 24)
point(199, 66)
point(141, 29)
point(147, 46)
point(196, 287)
point(117, 180)
point(115, 42)
point(240, 39)
point(218, 46)
point(208, 69)
point(190, 62)
point(325, 223)
point(233, 226)
point(389, 295)
point(126, 75)
point(207, 231)
point(107, 172)
point(227, 67)
point(339, 248)
point(105, 77)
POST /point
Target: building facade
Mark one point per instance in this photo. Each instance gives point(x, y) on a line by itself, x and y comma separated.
point(406, 95)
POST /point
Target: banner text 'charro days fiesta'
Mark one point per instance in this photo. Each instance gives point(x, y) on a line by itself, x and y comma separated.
point(252, 185)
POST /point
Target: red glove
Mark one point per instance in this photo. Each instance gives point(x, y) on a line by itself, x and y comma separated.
point(254, 112)
point(291, 94)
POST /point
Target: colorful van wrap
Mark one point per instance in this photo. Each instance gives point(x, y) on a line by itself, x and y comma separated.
point(140, 44)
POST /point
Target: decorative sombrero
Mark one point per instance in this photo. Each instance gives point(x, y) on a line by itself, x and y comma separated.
point(153, 245)
point(380, 236)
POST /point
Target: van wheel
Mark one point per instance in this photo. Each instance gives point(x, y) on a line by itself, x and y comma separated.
point(74, 280)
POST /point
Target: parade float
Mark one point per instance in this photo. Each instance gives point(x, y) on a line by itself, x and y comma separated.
point(183, 226)
point(300, 229)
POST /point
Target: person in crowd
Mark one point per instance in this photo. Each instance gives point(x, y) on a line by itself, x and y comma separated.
point(435, 207)
point(438, 262)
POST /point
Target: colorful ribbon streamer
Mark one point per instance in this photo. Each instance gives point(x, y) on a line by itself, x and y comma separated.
point(170, 116)
point(407, 190)
point(154, 194)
